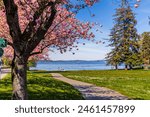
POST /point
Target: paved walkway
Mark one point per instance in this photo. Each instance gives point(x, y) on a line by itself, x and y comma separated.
point(4, 72)
point(90, 91)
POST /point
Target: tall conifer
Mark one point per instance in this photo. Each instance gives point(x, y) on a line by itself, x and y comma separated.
point(145, 49)
point(124, 38)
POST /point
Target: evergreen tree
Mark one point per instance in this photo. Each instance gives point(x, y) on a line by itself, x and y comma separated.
point(113, 58)
point(145, 49)
point(124, 39)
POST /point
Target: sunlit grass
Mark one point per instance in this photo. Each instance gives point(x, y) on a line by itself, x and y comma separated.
point(41, 86)
point(134, 83)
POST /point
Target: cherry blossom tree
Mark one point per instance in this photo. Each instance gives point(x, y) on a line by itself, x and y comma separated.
point(31, 26)
point(66, 29)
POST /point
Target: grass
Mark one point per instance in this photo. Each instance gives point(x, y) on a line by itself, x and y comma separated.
point(41, 86)
point(134, 83)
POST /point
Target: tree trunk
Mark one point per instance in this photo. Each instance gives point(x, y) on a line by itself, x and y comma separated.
point(19, 78)
point(126, 67)
point(116, 67)
point(145, 66)
point(130, 67)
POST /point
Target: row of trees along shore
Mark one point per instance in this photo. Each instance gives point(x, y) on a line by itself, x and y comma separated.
point(128, 47)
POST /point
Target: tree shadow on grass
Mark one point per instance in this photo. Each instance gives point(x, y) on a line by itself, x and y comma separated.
point(5, 95)
point(5, 88)
point(137, 99)
point(53, 95)
point(41, 86)
point(38, 71)
point(51, 89)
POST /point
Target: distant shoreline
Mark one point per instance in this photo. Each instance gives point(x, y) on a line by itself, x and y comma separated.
point(70, 60)
point(73, 65)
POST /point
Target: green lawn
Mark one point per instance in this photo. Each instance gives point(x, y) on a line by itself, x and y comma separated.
point(134, 83)
point(41, 86)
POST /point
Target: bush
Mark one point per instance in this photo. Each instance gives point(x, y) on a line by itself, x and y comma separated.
point(6, 61)
point(31, 63)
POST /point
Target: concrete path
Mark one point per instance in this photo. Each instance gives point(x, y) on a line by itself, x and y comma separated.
point(4, 72)
point(90, 91)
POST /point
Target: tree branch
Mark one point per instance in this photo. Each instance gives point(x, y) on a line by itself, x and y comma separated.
point(40, 52)
point(11, 44)
point(12, 19)
point(34, 53)
point(30, 27)
point(41, 31)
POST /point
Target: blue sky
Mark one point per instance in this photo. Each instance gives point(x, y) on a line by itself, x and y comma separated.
point(103, 15)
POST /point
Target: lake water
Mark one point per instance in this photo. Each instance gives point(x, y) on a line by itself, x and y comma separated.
point(71, 65)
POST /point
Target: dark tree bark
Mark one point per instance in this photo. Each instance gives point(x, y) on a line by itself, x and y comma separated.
point(116, 67)
point(24, 44)
point(130, 67)
point(126, 67)
point(19, 78)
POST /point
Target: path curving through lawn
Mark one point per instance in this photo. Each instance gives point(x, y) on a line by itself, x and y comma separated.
point(90, 91)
